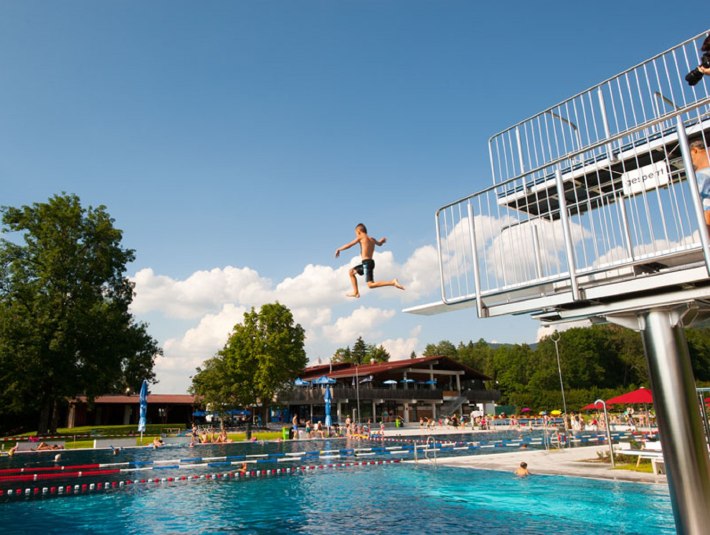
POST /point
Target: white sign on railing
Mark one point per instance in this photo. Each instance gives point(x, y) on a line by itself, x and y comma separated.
point(648, 177)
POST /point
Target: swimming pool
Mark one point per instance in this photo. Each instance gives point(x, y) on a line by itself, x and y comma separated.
point(395, 498)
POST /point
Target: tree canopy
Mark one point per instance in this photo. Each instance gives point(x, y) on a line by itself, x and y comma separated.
point(262, 354)
point(65, 326)
point(361, 353)
point(598, 361)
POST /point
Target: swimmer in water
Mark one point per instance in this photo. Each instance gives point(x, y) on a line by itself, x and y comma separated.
point(522, 470)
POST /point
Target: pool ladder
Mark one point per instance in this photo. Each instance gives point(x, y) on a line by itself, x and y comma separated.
point(432, 441)
point(429, 441)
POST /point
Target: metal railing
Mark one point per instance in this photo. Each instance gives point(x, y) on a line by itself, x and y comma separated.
point(585, 223)
point(611, 109)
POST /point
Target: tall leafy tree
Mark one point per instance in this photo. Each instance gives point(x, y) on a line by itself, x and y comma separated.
point(378, 354)
point(442, 349)
point(361, 353)
point(65, 326)
point(262, 354)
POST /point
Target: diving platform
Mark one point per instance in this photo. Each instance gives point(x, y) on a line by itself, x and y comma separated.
point(592, 198)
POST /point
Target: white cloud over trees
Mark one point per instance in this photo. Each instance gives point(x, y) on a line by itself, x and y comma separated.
point(212, 301)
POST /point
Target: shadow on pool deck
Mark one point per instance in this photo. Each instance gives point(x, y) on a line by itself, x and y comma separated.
point(577, 462)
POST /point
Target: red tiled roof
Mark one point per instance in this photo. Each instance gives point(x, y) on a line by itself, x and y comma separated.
point(392, 366)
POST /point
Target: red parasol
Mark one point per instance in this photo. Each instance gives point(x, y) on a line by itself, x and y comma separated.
point(642, 395)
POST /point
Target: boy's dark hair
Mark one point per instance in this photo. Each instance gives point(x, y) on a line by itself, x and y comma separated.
point(523, 465)
point(698, 142)
point(362, 227)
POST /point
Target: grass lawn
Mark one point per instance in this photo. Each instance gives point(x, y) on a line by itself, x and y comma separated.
point(76, 438)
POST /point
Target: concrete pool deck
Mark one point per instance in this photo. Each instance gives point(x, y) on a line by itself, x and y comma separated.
point(577, 461)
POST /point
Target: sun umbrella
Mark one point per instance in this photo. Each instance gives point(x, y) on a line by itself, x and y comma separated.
point(324, 380)
point(543, 413)
point(301, 382)
point(556, 412)
point(407, 381)
point(642, 395)
point(328, 397)
point(525, 409)
point(390, 382)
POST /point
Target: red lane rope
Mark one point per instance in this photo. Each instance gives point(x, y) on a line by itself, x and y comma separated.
point(57, 475)
point(67, 490)
point(56, 468)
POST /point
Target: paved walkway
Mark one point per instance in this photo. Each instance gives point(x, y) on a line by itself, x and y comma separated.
point(580, 462)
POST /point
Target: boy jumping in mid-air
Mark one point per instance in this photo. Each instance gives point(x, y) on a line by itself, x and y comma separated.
point(367, 268)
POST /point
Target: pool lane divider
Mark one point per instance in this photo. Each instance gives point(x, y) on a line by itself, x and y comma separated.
point(91, 488)
point(67, 471)
point(92, 470)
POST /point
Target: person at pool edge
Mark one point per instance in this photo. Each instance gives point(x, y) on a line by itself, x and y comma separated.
point(701, 164)
point(522, 470)
point(367, 267)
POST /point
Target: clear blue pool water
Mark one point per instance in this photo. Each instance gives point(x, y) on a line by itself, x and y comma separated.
point(395, 499)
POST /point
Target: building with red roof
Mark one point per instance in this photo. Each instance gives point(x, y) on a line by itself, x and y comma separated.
point(410, 389)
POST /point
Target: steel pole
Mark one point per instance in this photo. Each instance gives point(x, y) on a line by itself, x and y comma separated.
point(685, 451)
point(608, 431)
point(562, 384)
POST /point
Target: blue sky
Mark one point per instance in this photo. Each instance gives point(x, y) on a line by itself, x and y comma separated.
point(237, 144)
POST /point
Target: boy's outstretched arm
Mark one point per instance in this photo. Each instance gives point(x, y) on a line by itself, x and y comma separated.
point(381, 242)
point(344, 247)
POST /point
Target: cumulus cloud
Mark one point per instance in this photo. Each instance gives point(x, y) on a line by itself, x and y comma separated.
point(200, 293)
point(215, 300)
point(202, 341)
point(401, 348)
point(362, 322)
point(421, 272)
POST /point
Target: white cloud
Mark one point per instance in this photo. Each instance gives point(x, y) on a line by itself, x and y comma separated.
point(202, 292)
point(217, 299)
point(202, 341)
point(421, 273)
point(363, 322)
point(401, 348)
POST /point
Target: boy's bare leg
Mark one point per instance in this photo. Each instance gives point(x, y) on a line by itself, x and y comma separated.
point(393, 282)
point(353, 281)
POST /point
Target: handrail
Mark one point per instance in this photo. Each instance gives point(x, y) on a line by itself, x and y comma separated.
point(572, 155)
point(433, 449)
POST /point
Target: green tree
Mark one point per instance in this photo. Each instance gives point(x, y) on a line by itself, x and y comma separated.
point(342, 355)
point(442, 349)
point(378, 354)
point(65, 327)
point(262, 354)
point(361, 353)
point(699, 349)
point(478, 356)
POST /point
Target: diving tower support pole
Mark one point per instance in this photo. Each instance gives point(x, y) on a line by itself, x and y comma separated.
point(685, 450)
